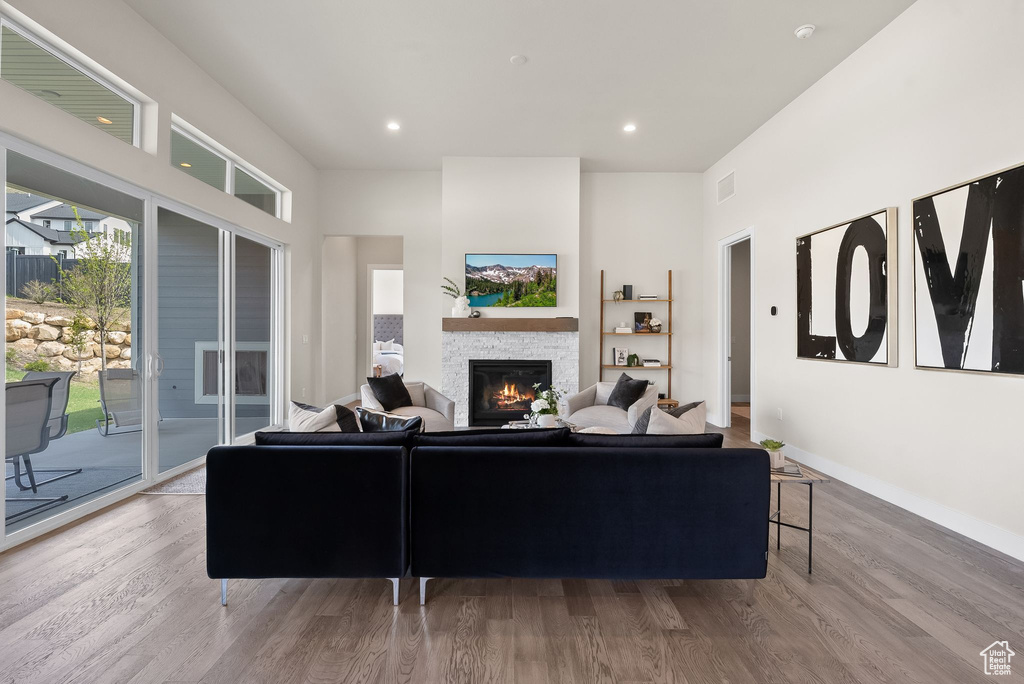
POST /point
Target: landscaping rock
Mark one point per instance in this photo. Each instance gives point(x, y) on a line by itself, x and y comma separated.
point(25, 345)
point(14, 313)
point(126, 353)
point(43, 332)
point(128, 339)
point(12, 331)
point(59, 321)
point(50, 349)
point(33, 317)
point(70, 353)
point(116, 336)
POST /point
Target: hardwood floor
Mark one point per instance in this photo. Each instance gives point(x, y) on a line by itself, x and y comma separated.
point(124, 597)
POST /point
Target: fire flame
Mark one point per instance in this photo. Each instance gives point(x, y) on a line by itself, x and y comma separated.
point(510, 394)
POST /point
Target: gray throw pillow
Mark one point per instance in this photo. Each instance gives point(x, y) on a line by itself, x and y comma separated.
point(626, 392)
point(645, 418)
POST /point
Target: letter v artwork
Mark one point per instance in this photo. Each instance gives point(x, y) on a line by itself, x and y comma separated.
point(969, 276)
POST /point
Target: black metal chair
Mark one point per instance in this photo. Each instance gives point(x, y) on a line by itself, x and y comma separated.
point(58, 422)
point(120, 400)
point(28, 432)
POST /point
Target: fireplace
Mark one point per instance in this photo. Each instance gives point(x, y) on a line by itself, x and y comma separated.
point(500, 391)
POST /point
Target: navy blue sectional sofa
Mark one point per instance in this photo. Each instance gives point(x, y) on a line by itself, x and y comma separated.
point(492, 503)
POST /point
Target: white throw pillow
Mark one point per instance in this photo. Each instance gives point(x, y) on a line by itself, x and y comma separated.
point(416, 393)
point(690, 423)
point(376, 345)
point(387, 346)
point(604, 390)
point(302, 420)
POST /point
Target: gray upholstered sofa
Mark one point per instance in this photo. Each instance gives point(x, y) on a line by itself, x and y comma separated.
point(590, 408)
point(436, 410)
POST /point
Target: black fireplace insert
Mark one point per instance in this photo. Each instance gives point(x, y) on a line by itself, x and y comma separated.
point(500, 391)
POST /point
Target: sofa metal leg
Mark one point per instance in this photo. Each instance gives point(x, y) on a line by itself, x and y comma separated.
point(394, 587)
point(423, 590)
point(223, 592)
point(750, 592)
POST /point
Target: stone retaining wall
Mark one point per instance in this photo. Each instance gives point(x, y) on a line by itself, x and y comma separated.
point(35, 335)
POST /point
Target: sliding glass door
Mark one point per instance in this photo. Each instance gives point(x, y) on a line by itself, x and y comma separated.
point(139, 334)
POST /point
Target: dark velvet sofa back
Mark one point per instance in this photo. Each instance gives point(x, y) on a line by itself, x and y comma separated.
point(590, 512)
point(307, 511)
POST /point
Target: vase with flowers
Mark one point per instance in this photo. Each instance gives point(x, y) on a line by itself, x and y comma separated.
point(544, 409)
point(461, 308)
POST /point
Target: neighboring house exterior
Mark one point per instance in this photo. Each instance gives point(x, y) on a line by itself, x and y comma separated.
point(41, 226)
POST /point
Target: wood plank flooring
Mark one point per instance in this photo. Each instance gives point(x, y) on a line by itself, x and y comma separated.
point(123, 597)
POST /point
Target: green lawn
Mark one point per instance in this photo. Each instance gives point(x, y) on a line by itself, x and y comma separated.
point(83, 404)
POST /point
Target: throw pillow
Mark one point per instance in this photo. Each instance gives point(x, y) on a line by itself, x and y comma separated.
point(388, 346)
point(626, 392)
point(690, 423)
point(303, 418)
point(604, 390)
point(416, 393)
point(378, 421)
point(645, 418)
point(390, 392)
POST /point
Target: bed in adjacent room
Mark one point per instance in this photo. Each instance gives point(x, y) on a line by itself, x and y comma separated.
point(388, 350)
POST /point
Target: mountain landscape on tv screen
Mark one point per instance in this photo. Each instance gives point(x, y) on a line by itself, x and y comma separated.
point(518, 284)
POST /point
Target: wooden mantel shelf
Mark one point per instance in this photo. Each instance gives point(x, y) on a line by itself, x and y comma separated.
point(510, 324)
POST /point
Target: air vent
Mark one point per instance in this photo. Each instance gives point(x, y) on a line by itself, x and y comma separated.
point(726, 186)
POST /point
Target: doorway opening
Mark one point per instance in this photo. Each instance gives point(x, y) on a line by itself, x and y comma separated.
point(736, 296)
point(386, 325)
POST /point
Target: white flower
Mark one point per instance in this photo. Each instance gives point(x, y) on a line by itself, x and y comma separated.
point(539, 405)
point(655, 321)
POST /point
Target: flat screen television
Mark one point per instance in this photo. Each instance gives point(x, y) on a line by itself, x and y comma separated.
point(511, 279)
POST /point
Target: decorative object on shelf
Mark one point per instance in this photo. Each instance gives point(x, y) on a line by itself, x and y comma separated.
point(545, 407)
point(664, 303)
point(618, 296)
point(627, 291)
point(623, 329)
point(475, 314)
point(512, 279)
point(774, 449)
point(461, 308)
point(651, 298)
point(652, 363)
point(633, 360)
point(641, 321)
point(620, 354)
point(827, 283)
point(968, 313)
point(654, 325)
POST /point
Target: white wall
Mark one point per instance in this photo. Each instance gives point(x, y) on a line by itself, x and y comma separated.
point(932, 100)
point(517, 205)
point(396, 203)
point(338, 287)
point(740, 321)
point(387, 291)
point(636, 226)
point(112, 34)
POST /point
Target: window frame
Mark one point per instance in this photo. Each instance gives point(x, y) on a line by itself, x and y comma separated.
point(50, 47)
point(196, 136)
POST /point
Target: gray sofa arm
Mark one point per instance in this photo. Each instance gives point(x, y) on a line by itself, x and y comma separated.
point(436, 401)
point(369, 399)
point(582, 400)
point(650, 398)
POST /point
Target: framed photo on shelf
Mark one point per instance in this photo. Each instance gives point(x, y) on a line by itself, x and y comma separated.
point(620, 354)
point(641, 321)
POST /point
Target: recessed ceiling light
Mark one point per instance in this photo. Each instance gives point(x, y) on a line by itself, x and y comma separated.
point(185, 165)
point(804, 32)
point(104, 120)
point(629, 128)
point(394, 126)
point(518, 60)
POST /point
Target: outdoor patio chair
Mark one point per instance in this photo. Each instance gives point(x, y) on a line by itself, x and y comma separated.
point(120, 401)
point(28, 432)
point(61, 395)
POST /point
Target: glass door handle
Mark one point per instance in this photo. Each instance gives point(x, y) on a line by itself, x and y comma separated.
point(157, 365)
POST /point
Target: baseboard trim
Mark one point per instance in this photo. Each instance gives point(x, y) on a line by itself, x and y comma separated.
point(980, 531)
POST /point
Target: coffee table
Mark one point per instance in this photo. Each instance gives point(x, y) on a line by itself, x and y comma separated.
point(806, 477)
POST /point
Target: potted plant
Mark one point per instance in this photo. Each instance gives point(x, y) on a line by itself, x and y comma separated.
point(774, 449)
point(545, 407)
point(461, 308)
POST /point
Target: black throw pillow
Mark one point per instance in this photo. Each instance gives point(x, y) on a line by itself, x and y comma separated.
point(626, 392)
point(346, 418)
point(331, 438)
point(644, 421)
point(377, 421)
point(390, 391)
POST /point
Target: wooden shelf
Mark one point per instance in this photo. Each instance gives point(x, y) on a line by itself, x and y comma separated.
point(666, 334)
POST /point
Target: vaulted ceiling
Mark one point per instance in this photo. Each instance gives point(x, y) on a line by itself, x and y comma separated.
point(695, 76)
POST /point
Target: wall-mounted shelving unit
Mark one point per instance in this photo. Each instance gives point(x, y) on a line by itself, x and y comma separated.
point(666, 332)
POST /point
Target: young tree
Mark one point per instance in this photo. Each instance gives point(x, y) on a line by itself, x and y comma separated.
point(99, 285)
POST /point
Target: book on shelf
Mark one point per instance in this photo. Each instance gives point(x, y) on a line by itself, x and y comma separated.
point(623, 331)
point(652, 362)
point(643, 297)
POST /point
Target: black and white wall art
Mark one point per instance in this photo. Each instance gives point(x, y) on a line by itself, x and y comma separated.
point(969, 276)
point(846, 291)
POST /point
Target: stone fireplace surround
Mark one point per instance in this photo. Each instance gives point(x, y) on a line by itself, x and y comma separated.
point(459, 347)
